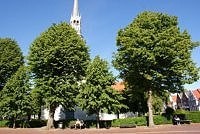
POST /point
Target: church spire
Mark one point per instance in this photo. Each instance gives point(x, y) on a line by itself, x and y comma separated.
point(75, 11)
point(75, 20)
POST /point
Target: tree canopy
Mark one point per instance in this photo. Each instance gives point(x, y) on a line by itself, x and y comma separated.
point(15, 98)
point(58, 59)
point(11, 59)
point(96, 94)
point(154, 55)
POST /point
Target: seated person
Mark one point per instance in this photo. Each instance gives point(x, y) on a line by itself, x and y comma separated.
point(177, 120)
point(79, 123)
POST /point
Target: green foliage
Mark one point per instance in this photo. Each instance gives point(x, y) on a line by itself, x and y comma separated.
point(36, 123)
point(189, 115)
point(157, 104)
point(154, 54)
point(181, 111)
point(71, 124)
point(21, 123)
point(96, 94)
point(91, 123)
point(37, 101)
point(59, 51)
point(194, 116)
point(158, 119)
point(138, 121)
point(135, 100)
point(4, 123)
point(58, 59)
point(11, 59)
point(15, 99)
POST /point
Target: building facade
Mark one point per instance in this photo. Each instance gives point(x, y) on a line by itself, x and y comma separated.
point(188, 100)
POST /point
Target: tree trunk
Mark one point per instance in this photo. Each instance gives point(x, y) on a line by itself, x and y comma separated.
point(149, 103)
point(98, 126)
point(118, 114)
point(39, 115)
point(14, 122)
point(50, 121)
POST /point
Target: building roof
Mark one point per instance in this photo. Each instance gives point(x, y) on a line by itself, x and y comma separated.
point(174, 98)
point(196, 93)
point(119, 86)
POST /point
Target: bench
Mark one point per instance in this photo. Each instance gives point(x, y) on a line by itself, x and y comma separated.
point(182, 119)
point(185, 121)
point(77, 124)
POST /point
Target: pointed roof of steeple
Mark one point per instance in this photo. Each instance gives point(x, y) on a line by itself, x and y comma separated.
point(75, 11)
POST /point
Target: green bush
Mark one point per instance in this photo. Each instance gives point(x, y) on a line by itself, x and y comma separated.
point(23, 123)
point(194, 116)
point(190, 115)
point(90, 123)
point(138, 121)
point(181, 111)
point(158, 119)
point(4, 123)
point(36, 123)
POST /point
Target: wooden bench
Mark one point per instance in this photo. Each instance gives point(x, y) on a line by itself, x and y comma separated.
point(182, 119)
point(74, 124)
point(185, 121)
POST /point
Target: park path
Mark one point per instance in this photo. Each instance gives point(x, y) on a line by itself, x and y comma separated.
point(161, 129)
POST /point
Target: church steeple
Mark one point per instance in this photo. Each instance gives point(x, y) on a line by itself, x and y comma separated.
point(75, 20)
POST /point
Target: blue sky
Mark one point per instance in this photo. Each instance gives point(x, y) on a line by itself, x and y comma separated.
point(24, 20)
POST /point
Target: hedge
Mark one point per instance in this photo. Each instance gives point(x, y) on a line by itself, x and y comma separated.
point(21, 123)
point(138, 121)
point(4, 123)
point(190, 115)
point(194, 116)
point(158, 119)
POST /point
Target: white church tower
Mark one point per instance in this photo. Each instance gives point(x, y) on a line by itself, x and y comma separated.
point(75, 20)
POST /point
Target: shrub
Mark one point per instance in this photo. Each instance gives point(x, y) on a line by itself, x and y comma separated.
point(181, 111)
point(194, 116)
point(138, 121)
point(4, 123)
point(90, 123)
point(128, 126)
point(158, 119)
point(37, 123)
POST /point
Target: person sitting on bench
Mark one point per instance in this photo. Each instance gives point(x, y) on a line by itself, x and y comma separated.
point(177, 120)
point(79, 123)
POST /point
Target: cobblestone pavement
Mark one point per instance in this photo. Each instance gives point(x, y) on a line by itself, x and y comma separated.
point(161, 129)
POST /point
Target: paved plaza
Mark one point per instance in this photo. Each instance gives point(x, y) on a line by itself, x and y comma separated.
point(161, 129)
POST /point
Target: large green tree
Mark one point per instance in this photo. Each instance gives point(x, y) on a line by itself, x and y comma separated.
point(37, 102)
point(96, 94)
point(58, 59)
point(11, 59)
point(154, 55)
point(136, 101)
point(15, 99)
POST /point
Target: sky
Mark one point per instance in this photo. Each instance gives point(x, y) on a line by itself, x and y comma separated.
point(24, 20)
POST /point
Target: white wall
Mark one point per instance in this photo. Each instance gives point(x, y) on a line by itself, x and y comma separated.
point(82, 115)
point(59, 114)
